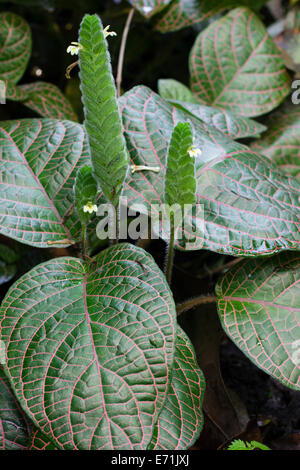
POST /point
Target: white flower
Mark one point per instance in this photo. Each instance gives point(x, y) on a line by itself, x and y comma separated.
point(74, 48)
point(108, 33)
point(194, 152)
point(90, 207)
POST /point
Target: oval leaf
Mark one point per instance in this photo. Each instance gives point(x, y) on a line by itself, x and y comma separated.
point(231, 125)
point(181, 420)
point(90, 347)
point(39, 163)
point(15, 46)
point(258, 303)
point(183, 13)
point(235, 65)
point(48, 101)
point(281, 143)
point(14, 428)
point(250, 206)
point(170, 89)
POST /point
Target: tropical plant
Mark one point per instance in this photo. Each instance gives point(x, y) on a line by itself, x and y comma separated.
point(93, 355)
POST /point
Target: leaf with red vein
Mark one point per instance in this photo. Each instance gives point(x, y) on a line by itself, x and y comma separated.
point(90, 347)
point(47, 100)
point(14, 427)
point(235, 65)
point(281, 143)
point(39, 160)
point(258, 303)
point(149, 8)
point(181, 419)
point(39, 441)
point(236, 127)
point(182, 13)
point(15, 46)
point(250, 206)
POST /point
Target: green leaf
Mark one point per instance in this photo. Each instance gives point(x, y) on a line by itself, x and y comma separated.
point(90, 347)
point(149, 8)
point(250, 206)
point(47, 100)
point(281, 143)
point(238, 444)
point(183, 13)
point(181, 420)
point(180, 182)
point(41, 442)
point(85, 191)
point(39, 163)
point(258, 303)
point(170, 89)
point(14, 427)
point(235, 65)
point(15, 46)
point(14, 93)
point(102, 120)
point(230, 124)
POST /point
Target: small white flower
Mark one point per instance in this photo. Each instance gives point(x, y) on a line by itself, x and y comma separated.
point(74, 48)
point(194, 152)
point(107, 32)
point(90, 208)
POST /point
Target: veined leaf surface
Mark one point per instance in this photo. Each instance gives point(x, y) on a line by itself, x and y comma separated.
point(15, 46)
point(259, 307)
point(281, 143)
point(181, 420)
point(235, 65)
point(231, 125)
point(47, 100)
point(90, 347)
point(170, 89)
point(182, 13)
point(250, 206)
point(39, 159)
point(14, 428)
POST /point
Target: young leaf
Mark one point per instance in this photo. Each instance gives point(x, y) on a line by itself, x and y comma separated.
point(39, 163)
point(231, 125)
point(14, 427)
point(170, 89)
point(181, 420)
point(180, 182)
point(250, 206)
point(258, 303)
point(235, 65)
point(149, 8)
point(90, 348)
point(182, 13)
point(102, 120)
point(85, 192)
point(15, 46)
point(281, 143)
point(47, 100)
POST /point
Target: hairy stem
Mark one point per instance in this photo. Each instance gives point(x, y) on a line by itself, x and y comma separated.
point(191, 303)
point(170, 255)
point(122, 51)
point(84, 241)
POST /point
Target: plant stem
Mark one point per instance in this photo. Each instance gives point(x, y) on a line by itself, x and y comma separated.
point(116, 222)
point(122, 51)
point(191, 303)
point(84, 241)
point(170, 255)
